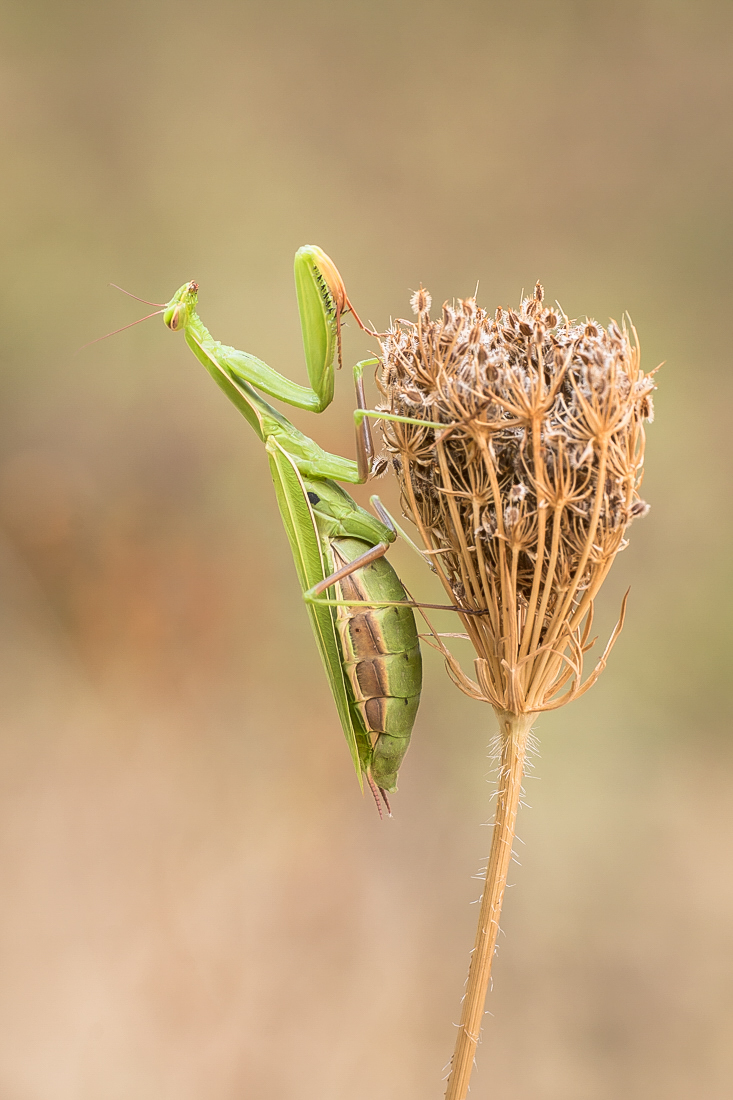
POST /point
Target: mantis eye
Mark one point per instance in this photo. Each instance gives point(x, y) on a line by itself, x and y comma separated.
point(175, 318)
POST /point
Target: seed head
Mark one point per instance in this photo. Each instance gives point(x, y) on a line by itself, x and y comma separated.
point(421, 301)
point(524, 493)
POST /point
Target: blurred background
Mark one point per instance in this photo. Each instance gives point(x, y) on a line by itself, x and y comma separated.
point(196, 901)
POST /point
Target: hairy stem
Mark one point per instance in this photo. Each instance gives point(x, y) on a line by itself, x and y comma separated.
point(514, 730)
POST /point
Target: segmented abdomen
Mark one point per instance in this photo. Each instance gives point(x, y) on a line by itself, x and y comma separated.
point(381, 656)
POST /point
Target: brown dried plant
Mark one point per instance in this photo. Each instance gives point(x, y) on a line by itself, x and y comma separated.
point(519, 458)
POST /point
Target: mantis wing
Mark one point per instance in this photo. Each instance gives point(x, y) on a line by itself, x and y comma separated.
point(299, 522)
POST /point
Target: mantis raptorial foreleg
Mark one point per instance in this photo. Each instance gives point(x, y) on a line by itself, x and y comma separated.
point(322, 300)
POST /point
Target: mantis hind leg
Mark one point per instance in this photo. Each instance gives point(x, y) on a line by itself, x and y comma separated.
point(389, 521)
point(374, 553)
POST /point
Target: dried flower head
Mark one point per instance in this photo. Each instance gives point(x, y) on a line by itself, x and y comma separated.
point(526, 482)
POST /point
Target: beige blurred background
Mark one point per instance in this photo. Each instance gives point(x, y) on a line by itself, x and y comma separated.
point(195, 901)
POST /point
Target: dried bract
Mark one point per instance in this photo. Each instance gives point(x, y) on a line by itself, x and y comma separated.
point(521, 469)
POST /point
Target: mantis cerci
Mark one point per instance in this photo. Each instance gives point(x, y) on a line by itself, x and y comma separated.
point(366, 636)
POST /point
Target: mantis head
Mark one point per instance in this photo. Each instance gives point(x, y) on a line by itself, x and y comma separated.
point(183, 303)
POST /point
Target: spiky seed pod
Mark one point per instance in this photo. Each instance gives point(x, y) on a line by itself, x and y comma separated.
point(525, 495)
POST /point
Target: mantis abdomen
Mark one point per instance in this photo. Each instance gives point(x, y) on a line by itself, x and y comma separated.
point(381, 657)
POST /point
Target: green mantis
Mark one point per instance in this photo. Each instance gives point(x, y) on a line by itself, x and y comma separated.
point(366, 635)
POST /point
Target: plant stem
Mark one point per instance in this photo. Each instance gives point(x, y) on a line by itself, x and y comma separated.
point(514, 730)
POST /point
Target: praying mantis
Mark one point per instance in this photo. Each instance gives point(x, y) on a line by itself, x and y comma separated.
point(366, 635)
